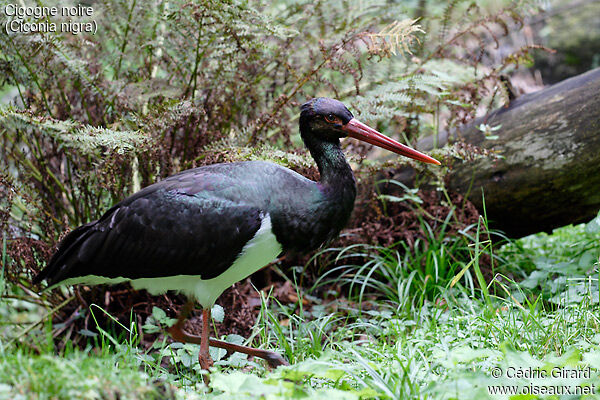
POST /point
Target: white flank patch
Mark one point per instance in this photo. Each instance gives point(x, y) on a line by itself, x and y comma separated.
point(258, 252)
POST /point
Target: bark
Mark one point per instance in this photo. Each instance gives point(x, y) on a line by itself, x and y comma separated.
point(549, 173)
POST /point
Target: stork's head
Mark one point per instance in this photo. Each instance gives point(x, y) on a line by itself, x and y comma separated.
point(330, 120)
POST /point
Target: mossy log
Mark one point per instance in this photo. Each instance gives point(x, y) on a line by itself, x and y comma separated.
point(548, 174)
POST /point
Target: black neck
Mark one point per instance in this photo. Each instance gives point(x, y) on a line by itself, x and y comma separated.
point(332, 164)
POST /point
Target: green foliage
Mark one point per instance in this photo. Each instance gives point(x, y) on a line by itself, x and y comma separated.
point(30, 144)
point(562, 267)
point(440, 350)
point(411, 273)
point(77, 375)
point(443, 344)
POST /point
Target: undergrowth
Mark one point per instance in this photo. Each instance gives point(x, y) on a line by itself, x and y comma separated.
point(389, 338)
point(367, 345)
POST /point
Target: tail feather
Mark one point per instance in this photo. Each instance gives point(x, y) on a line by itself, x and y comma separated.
point(66, 256)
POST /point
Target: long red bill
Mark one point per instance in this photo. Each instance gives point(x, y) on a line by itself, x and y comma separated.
point(360, 131)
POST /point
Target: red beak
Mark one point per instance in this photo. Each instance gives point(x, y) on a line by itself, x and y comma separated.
point(360, 131)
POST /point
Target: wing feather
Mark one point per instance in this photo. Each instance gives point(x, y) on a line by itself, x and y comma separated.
point(164, 233)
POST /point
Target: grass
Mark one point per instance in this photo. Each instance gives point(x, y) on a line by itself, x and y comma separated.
point(410, 329)
point(76, 374)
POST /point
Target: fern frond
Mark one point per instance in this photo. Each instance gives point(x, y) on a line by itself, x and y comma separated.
point(395, 37)
point(85, 139)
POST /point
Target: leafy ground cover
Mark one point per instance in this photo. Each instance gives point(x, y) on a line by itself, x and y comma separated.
point(403, 331)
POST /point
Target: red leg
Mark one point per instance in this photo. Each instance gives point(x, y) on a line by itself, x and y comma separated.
point(274, 359)
point(180, 335)
point(204, 356)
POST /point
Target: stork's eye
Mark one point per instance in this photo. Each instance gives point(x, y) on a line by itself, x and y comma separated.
point(331, 118)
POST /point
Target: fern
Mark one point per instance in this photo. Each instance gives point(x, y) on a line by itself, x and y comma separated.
point(229, 151)
point(86, 140)
point(394, 38)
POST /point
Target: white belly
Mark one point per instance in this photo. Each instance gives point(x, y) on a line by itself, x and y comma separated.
point(258, 252)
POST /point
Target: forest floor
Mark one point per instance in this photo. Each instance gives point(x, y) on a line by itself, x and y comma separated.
point(534, 331)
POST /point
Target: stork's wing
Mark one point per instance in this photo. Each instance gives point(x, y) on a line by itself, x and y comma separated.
point(165, 231)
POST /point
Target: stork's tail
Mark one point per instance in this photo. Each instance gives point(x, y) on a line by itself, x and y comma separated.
point(66, 257)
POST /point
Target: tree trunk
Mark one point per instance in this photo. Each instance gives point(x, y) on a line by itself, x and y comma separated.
point(549, 171)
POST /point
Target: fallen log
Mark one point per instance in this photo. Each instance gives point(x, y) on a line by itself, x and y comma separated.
point(548, 172)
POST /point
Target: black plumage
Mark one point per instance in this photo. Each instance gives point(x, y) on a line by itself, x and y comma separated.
point(197, 222)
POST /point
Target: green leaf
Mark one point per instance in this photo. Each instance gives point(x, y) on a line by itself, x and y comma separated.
point(317, 368)
point(463, 355)
point(592, 359)
point(149, 327)
point(513, 357)
point(235, 339)
point(158, 314)
point(588, 258)
point(239, 383)
point(218, 313)
point(570, 358)
point(161, 317)
point(594, 225)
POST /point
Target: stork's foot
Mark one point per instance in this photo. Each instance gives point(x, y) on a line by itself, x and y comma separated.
point(176, 331)
point(272, 358)
point(180, 335)
point(205, 361)
point(275, 359)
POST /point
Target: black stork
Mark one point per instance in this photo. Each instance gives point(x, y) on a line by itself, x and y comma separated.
point(200, 231)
